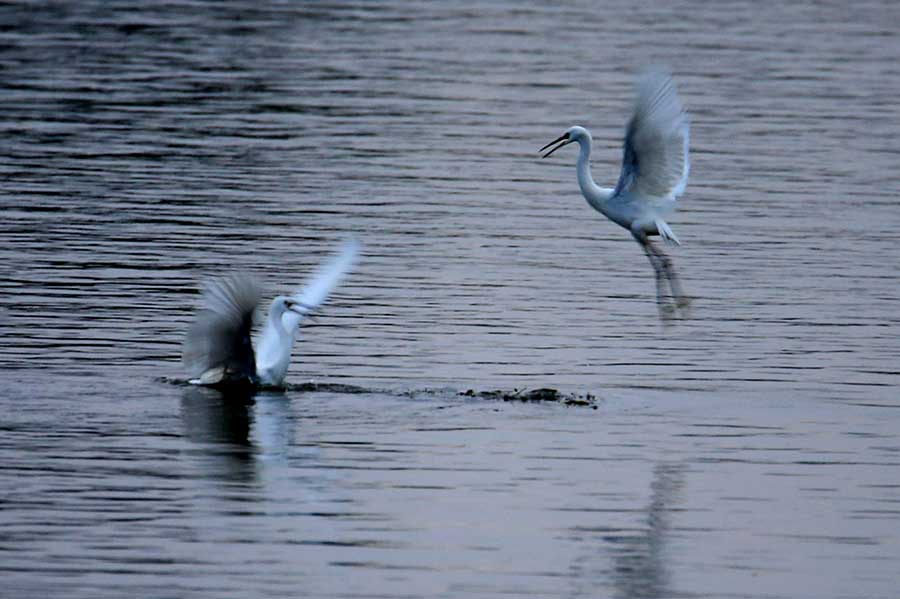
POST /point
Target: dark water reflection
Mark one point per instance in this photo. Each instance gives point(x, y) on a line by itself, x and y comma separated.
point(212, 417)
point(639, 569)
point(748, 452)
point(222, 425)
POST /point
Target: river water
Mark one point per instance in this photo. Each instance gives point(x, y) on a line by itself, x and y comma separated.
point(750, 450)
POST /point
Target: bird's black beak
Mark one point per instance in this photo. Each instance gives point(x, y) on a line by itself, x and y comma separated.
point(564, 138)
point(298, 307)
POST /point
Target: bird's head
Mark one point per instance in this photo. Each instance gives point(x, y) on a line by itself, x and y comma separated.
point(282, 304)
point(575, 133)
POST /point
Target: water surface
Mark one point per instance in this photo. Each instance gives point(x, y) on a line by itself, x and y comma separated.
point(750, 451)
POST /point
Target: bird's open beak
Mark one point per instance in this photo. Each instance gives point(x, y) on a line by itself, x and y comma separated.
point(298, 307)
point(564, 138)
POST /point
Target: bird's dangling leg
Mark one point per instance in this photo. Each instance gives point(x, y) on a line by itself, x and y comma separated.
point(666, 309)
point(665, 274)
point(682, 302)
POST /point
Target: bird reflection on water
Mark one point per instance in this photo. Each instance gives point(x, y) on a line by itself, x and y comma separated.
point(638, 556)
point(237, 428)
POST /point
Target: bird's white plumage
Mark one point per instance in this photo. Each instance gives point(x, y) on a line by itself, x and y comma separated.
point(218, 348)
point(322, 282)
point(273, 351)
point(655, 162)
point(655, 168)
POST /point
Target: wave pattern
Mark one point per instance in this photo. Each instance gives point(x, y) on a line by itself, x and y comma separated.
point(148, 145)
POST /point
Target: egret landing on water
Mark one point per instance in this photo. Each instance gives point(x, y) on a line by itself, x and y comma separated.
point(654, 173)
point(218, 350)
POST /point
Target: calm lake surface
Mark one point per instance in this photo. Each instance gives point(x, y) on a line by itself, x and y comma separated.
point(749, 451)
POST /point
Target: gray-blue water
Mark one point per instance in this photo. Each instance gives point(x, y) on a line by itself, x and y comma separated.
point(749, 451)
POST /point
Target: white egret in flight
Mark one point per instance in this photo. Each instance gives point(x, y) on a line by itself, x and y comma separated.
point(218, 350)
point(654, 173)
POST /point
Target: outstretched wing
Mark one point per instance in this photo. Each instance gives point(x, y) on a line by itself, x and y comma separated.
point(655, 162)
point(218, 347)
point(321, 284)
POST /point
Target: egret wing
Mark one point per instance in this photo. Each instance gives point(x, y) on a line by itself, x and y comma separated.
point(655, 162)
point(322, 282)
point(218, 345)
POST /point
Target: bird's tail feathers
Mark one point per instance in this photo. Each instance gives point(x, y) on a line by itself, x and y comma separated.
point(666, 232)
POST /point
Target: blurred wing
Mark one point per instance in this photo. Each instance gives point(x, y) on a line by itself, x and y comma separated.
point(218, 345)
point(322, 283)
point(655, 162)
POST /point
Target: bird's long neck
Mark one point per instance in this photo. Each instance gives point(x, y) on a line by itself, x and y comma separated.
point(273, 354)
point(595, 195)
point(275, 321)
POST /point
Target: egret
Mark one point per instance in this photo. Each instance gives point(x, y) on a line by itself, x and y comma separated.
point(655, 168)
point(218, 350)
